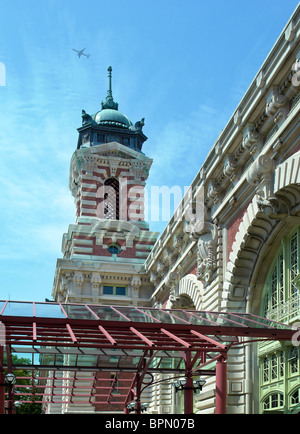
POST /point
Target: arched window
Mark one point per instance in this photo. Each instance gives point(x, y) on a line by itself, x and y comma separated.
point(281, 295)
point(111, 199)
point(281, 302)
point(114, 249)
point(274, 401)
point(295, 397)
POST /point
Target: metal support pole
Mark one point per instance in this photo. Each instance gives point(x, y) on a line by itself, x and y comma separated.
point(188, 395)
point(221, 383)
point(10, 403)
point(138, 407)
point(188, 390)
point(138, 395)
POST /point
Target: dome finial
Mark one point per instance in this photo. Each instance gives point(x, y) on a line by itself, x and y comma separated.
point(109, 103)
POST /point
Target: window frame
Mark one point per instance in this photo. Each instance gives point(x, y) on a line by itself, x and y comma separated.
point(114, 292)
point(279, 287)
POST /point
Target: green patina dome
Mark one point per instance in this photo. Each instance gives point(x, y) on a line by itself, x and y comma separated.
point(112, 117)
point(110, 120)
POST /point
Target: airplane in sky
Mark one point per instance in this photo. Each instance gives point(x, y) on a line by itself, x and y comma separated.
point(81, 52)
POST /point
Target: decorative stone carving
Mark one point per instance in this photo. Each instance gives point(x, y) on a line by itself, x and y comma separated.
point(274, 101)
point(250, 137)
point(160, 268)
point(196, 224)
point(214, 190)
point(218, 148)
point(137, 169)
point(153, 277)
point(260, 80)
point(113, 165)
point(206, 234)
point(272, 206)
point(186, 294)
point(230, 165)
point(237, 119)
point(78, 280)
point(264, 166)
point(181, 302)
point(135, 283)
point(171, 279)
point(95, 281)
point(169, 255)
point(207, 257)
point(90, 166)
point(178, 241)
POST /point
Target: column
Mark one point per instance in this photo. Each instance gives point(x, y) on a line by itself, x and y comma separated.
point(188, 395)
point(188, 388)
point(138, 395)
point(221, 383)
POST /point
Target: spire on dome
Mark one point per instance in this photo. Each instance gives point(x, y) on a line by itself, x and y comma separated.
point(109, 102)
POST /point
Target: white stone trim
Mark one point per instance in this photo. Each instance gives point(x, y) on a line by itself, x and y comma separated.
point(252, 233)
point(189, 285)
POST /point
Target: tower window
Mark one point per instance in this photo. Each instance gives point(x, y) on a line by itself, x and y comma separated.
point(114, 249)
point(111, 199)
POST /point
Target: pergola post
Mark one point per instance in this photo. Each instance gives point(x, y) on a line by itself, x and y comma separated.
point(188, 388)
point(188, 395)
point(221, 383)
point(138, 395)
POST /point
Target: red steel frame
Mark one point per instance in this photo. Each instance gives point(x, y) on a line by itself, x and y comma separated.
point(191, 347)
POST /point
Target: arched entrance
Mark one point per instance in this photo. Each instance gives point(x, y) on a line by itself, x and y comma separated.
point(266, 230)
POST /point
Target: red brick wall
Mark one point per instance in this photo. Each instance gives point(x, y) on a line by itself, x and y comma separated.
point(193, 270)
point(233, 228)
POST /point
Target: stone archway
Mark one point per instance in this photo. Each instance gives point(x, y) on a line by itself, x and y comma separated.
point(273, 212)
point(266, 217)
point(187, 295)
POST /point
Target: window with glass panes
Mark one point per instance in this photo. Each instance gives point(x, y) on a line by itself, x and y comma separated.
point(279, 369)
point(272, 367)
point(273, 401)
point(281, 293)
point(114, 290)
point(295, 397)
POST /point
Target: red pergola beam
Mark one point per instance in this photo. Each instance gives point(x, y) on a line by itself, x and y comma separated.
point(71, 333)
point(175, 338)
point(207, 339)
point(107, 335)
point(141, 336)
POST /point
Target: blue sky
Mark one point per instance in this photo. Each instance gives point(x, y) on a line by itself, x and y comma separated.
point(183, 65)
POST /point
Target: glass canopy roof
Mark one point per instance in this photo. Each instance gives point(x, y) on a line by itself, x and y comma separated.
point(133, 314)
point(64, 339)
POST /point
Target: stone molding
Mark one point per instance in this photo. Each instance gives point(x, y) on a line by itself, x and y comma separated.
point(189, 289)
point(261, 217)
point(206, 235)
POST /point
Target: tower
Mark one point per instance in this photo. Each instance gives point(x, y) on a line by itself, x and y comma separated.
point(104, 251)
